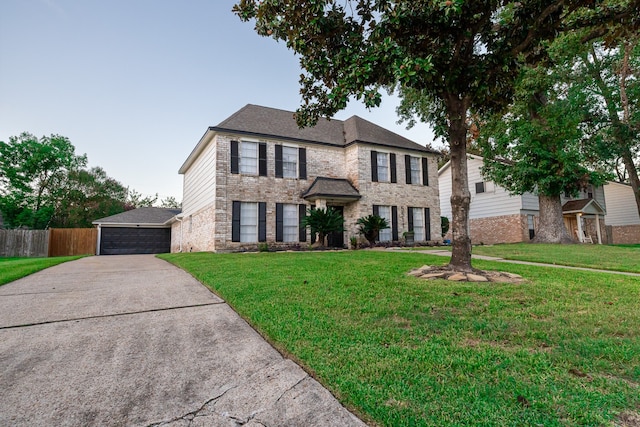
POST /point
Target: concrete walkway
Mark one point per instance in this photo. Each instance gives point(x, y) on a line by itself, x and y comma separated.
point(539, 264)
point(135, 341)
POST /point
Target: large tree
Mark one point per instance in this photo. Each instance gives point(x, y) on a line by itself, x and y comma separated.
point(89, 194)
point(608, 71)
point(539, 144)
point(32, 176)
point(446, 57)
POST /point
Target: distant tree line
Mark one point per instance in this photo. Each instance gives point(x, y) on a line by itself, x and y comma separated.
point(44, 183)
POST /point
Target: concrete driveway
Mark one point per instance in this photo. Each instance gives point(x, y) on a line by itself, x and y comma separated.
point(135, 341)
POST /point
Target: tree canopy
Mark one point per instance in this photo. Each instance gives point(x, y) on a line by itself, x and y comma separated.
point(444, 58)
point(44, 183)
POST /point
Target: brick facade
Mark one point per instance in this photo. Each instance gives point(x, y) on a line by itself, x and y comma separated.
point(210, 229)
point(624, 234)
point(499, 229)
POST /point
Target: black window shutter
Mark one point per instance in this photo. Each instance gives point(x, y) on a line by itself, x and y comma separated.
point(425, 171)
point(262, 157)
point(302, 212)
point(376, 210)
point(407, 168)
point(235, 222)
point(427, 224)
point(279, 222)
point(278, 161)
point(302, 160)
point(374, 166)
point(410, 219)
point(262, 222)
point(235, 157)
point(394, 223)
point(392, 166)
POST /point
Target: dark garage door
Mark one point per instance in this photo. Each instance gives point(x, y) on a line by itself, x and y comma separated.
point(121, 240)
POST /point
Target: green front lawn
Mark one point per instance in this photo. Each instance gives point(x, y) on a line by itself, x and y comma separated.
point(561, 349)
point(606, 257)
point(15, 268)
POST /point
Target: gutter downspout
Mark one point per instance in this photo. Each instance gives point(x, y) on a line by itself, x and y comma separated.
point(98, 242)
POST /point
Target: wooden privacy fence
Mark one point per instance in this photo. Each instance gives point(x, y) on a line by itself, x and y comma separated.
point(52, 242)
point(72, 241)
point(24, 243)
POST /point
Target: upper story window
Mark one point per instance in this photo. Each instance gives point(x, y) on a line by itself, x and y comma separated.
point(414, 164)
point(249, 158)
point(291, 162)
point(383, 167)
point(485, 187)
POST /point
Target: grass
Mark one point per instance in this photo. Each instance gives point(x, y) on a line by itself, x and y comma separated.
point(15, 268)
point(605, 257)
point(561, 350)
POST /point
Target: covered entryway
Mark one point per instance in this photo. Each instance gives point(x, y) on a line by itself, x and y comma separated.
point(582, 220)
point(139, 231)
point(332, 193)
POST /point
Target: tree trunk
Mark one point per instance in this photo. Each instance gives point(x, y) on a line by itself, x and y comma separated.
point(551, 227)
point(633, 176)
point(460, 195)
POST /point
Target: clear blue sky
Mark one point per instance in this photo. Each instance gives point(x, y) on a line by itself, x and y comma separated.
point(135, 83)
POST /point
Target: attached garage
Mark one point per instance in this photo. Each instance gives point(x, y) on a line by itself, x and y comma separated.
point(139, 231)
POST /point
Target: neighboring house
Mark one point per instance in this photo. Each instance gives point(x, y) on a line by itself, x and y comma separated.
point(623, 221)
point(498, 217)
point(138, 231)
point(252, 178)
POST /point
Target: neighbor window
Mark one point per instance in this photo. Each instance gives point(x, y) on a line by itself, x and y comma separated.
point(385, 212)
point(249, 158)
point(248, 222)
point(480, 187)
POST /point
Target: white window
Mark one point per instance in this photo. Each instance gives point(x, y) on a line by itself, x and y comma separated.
point(383, 166)
point(415, 170)
point(385, 212)
point(289, 162)
point(290, 226)
point(249, 158)
point(418, 224)
point(248, 222)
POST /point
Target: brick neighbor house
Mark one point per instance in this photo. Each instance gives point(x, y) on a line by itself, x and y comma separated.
point(495, 216)
point(251, 179)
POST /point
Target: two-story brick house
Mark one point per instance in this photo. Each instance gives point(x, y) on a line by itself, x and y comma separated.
point(253, 177)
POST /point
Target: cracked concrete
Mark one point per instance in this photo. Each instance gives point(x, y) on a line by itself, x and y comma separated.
point(132, 340)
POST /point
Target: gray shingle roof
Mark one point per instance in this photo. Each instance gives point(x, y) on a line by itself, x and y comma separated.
point(331, 188)
point(151, 216)
point(582, 205)
point(265, 121)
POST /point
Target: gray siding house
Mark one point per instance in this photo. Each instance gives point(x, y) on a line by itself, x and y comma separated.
point(251, 178)
point(495, 216)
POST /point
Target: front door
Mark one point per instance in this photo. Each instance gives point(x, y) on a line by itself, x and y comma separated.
point(336, 240)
